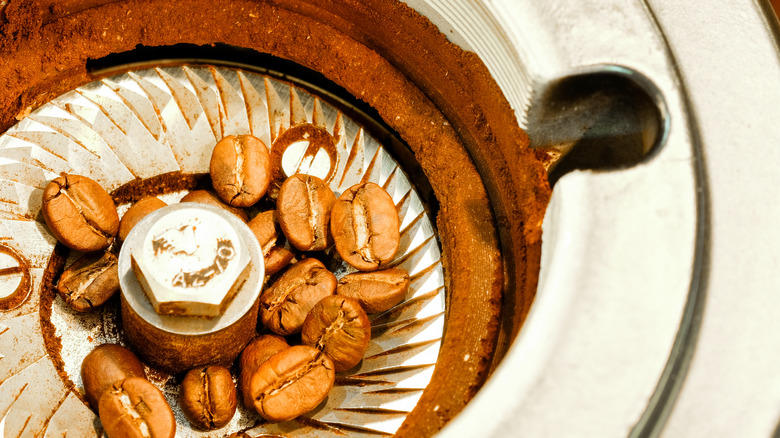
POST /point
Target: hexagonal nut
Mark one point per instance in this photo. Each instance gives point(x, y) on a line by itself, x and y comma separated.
point(191, 262)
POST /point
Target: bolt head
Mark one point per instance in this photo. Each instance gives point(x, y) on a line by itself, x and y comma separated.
point(191, 261)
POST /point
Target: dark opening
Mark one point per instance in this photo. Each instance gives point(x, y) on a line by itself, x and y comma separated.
point(597, 121)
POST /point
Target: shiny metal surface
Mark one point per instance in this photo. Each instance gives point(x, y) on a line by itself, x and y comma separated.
point(598, 338)
point(147, 122)
point(620, 341)
point(731, 388)
point(237, 306)
point(656, 311)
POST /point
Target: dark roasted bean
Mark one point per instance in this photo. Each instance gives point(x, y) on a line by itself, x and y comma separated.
point(80, 213)
point(205, 197)
point(285, 304)
point(90, 281)
point(208, 397)
point(240, 170)
point(265, 227)
point(257, 352)
point(304, 206)
point(134, 408)
point(365, 226)
point(340, 328)
point(136, 212)
point(291, 383)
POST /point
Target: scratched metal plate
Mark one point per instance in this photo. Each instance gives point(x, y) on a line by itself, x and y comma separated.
point(148, 122)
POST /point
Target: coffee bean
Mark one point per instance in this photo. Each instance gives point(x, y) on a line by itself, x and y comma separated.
point(134, 408)
point(209, 198)
point(257, 352)
point(376, 291)
point(105, 365)
point(240, 169)
point(208, 397)
point(284, 305)
point(90, 281)
point(277, 258)
point(340, 328)
point(136, 212)
point(291, 383)
point(265, 227)
point(80, 213)
point(365, 226)
point(304, 206)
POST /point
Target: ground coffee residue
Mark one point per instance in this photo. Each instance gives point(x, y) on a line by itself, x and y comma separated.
point(440, 99)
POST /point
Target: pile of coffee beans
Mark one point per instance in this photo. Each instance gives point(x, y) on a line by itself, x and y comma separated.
point(312, 325)
point(128, 404)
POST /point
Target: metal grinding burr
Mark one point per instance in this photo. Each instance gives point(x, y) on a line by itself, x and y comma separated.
point(378, 393)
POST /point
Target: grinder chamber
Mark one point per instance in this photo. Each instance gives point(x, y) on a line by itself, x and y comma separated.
point(446, 120)
point(600, 80)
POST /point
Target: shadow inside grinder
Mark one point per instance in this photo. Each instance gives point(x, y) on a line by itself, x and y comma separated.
point(596, 121)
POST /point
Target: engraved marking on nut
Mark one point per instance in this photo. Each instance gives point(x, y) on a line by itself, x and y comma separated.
point(14, 279)
point(191, 262)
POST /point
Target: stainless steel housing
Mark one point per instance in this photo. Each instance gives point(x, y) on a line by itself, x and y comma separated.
point(656, 311)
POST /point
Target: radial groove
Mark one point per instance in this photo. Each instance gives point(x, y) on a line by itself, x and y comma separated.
point(145, 123)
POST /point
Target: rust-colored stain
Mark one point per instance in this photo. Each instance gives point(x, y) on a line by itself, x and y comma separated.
point(339, 428)
point(355, 156)
point(21, 270)
point(348, 381)
point(416, 252)
point(393, 370)
point(403, 348)
point(395, 391)
point(401, 327)
point(375, 411)
point(412, 305)
point(371, 165)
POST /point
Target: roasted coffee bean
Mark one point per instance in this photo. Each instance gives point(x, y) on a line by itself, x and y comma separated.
point(277, 258)
point(209, 198)
point(257, 352)
point(284, 305)
point(365, 226)
point(240, 170)
point(340, 328)
point(291, 383)
point(136, 212)
point(304, 206)
point(265, 227)
point(376, 291)
point(90, 281)
point(134, 408)
point(105, 365)
point(208, 397)
point(80, 213)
